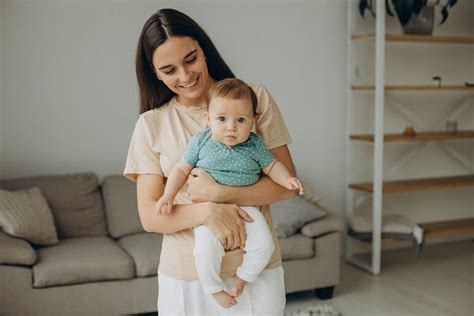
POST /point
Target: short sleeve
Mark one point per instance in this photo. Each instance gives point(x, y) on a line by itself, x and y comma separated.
point(270, 123)
point(191, 153)
point(262, 155)
point(141, 158)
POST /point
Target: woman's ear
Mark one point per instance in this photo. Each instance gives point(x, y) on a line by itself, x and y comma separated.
point(208, 119)
point(255, 118)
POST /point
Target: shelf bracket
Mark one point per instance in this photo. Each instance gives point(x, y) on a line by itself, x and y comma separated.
point(405, 112)
point(407, 158)
point(456, 110)
point(460, 158)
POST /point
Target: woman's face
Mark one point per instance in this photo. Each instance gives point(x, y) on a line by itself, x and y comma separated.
point(181, 65)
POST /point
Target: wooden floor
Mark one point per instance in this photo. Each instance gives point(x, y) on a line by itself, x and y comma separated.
point(440, 282)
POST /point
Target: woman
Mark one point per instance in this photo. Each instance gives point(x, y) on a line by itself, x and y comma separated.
point(176, 64)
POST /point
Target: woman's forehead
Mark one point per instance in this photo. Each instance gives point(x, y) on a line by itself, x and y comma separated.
point(174, 49)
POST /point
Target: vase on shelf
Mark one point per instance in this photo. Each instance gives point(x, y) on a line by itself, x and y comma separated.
point(421, 24)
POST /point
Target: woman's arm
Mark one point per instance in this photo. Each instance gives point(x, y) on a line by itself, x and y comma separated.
point(224, 220)
point(201, 186)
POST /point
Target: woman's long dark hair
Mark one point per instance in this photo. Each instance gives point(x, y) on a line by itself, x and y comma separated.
point(158, 28)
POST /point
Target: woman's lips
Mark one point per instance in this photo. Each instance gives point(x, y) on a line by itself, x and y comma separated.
point(190, 85)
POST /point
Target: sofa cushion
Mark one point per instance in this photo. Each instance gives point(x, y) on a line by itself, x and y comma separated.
point(296, 247)
point(26, 214)
point(290, 215)
point(81, 260)
point(329, 224)
point(16, 251)
point(145, 250)
point(74, 200)
point(120, 199)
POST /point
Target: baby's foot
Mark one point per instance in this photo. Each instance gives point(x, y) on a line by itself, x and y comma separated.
point(237, 287)
point(224, 299)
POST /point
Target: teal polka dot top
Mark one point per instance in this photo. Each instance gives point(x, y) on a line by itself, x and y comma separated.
point(237, 165)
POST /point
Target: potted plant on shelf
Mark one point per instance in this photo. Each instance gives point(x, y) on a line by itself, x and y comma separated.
point(415, 16)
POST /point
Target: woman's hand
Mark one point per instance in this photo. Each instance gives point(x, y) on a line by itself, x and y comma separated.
point(203, 188)
point(226, 222)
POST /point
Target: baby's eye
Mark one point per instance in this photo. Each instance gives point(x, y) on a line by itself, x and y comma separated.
point(221, 119)
point(241, 120)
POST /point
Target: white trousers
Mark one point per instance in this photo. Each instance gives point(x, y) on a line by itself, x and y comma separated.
point(208, 252)
point(264, 297)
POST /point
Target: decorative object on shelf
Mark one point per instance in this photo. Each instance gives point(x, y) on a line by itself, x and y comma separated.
point(451, 126)
point(393, 226)
point(409, 131)
point(437, 81)
point(415, 16)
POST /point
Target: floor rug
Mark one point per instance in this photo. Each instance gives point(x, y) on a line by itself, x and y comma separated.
point(315, 310)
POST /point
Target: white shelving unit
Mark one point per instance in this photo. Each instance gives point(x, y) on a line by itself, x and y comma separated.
point(377, 188)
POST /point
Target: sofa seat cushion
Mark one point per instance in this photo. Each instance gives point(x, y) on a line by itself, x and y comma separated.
point(81, 260)
point(296, 247)
point(120, 200)
point(145, 250)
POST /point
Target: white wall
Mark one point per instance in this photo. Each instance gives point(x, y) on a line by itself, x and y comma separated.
point(71, 93)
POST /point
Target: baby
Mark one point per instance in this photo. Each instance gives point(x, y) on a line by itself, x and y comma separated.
point(233, 155)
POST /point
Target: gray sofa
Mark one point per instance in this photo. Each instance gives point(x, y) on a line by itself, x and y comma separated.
point(105, 263)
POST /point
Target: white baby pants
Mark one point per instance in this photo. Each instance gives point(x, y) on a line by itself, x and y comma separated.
point(208, 252)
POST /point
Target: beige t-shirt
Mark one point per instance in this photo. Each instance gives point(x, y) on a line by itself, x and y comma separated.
point(157, 144)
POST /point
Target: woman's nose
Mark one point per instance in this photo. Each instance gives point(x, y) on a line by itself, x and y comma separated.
point(184, 76)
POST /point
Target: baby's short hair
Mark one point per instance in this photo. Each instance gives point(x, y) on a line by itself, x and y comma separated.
point(235, 89)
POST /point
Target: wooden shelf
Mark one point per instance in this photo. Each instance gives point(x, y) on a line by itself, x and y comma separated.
point(427, 136)
point(400, 186)
point(417, 38)
point(438, 229)
point(448, 228)
point(415, 88)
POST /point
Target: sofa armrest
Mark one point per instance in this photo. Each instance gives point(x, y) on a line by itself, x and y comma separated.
point(330, 223)
point(16, 251)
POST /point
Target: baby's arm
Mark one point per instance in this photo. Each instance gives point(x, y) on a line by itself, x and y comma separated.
point(280, 174)
point(175, 182)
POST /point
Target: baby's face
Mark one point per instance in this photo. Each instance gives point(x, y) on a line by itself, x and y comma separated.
point(231, 121)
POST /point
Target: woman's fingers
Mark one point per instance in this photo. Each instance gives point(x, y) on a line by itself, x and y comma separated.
point(243, 237)
point(244, 215)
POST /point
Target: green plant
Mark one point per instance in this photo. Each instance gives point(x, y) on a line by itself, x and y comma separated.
point(406, 8)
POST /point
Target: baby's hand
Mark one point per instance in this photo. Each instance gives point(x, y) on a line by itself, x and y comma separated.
point(164, 205)
point(294, 184)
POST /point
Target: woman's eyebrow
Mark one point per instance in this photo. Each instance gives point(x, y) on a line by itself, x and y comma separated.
point(187, 55)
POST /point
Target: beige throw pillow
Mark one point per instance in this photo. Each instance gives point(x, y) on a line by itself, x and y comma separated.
point(26, 214)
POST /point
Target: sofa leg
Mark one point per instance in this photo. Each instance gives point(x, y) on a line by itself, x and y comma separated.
point(324, 293)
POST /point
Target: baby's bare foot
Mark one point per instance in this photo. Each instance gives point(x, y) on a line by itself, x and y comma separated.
point(237, 287)
point(224, 299)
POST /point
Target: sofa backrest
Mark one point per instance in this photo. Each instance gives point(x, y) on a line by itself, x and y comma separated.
point(120, 199)
point(74, 199)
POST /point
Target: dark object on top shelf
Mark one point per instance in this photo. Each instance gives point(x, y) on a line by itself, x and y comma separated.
point(407, 10)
